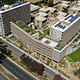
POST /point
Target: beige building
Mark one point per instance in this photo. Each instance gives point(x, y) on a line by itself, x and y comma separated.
point(42, 14)
point(66, 29)
point(44, 47)
point(44, 10)
point(52, 12)
point(41, 18)
point(48, 10)
point(64, 5)
point(40, 21)
point(14, 12)
point(74, 9)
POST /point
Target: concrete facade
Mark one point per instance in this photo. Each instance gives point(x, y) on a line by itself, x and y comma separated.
point(21, 12)
point(36, 45)
point(65, 35)
point(40, 21)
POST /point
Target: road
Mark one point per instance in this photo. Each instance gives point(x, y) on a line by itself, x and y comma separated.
point(19, 51)
point(2, 77)
point(22, 75)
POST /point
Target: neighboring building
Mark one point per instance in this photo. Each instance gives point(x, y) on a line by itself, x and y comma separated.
point(14, 12)
point(48, 10)
point(45, 13)
point(42, 14)
point(65, 6)
point(34, 8)
point(52, 11)
point(66, 29)
point(61, 15)
point(52, 1)
point(74, 9)
point(40, 21)
point(44, 10)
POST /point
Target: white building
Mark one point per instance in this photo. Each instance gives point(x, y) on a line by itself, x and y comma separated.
point(66, 29)
point(14, 12)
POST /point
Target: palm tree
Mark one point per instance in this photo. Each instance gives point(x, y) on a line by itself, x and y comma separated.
point(1, 44)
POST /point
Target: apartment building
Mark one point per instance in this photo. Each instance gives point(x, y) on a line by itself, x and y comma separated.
point(40, 21)
point(14, 12)
point(66, 29)
point(43, 47)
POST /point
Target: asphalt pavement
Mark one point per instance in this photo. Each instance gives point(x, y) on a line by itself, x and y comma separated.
point(19, 73)
point(20, 52)
point(2, 77)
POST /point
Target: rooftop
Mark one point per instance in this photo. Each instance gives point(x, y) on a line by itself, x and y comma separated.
point(65, 5)
point(66, 2)
point(49, 42)
point(41, 14)
point(34, 7)
point(6, 8)
point(47, 9)
point(39, 18)
point(61, 15)
point(75, 8)
point(44, 9)
point(66, 22)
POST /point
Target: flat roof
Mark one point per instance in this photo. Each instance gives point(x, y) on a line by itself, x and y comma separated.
point(61, 15)
point(13, 6)
point(34, 7)
point(66, 2)
point(42, 14)
point(76, 8)
point(39, 18)
point(44, 9)
point(65, 5)
point(66, 22)
point(49, 42)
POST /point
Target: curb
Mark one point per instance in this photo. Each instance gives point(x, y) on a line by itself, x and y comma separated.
point(22, 68)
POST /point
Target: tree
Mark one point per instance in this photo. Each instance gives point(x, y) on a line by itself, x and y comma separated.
point(22, 57)
point(58, 77)
point(32, 65)
point(1, 43)
point(10, 1)
point(8, 52)
point(3, 50)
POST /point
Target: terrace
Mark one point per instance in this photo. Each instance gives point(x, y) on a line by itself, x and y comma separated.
point(59, 46)
point(29, 29)
point(23, 26)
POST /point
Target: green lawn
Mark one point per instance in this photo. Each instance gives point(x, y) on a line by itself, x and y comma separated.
point(75, 56)
point(47, 32)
